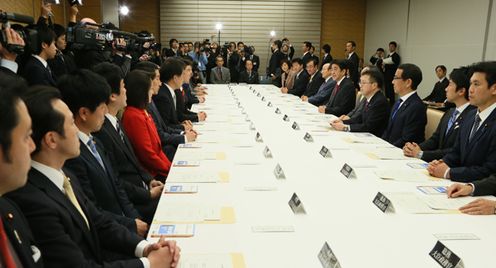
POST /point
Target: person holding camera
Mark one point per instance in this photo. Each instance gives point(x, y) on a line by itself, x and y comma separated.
point(200, 58)
point(8, 55)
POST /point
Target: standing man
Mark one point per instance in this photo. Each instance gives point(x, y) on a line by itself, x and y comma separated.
point(354, 62)
point(391, 63)
point(438, 94)
point(307, 55)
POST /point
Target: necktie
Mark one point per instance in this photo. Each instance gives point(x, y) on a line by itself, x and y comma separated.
point(4, 248)
point(335, 91)
point(451, 121)
point(119, 130)
point(219, 71)
point(475, 126)
point(72, 197)
point(395, 108)
point(95, 153)
point(366, 105)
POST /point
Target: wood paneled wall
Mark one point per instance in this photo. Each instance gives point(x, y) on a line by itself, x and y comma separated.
point(143, 15)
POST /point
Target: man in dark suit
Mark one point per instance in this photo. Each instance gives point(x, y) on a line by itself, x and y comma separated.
point(173, 50)
point(354, 62)
point(325, 89)
point(474, 154)
point(36, 70)
point(315, 79)
point(438, 94)
point(307, 55)
point(275, 60)
point(249, 75)
point(443, 139)
point(254, 59)
point(390, 63)
point(342, 99)
point(220, 74)
point(86, 94)
point(327, 56)
point(18, 248)
point(377, 59)
point(480, 206)
point(408, 116)
point(300, 81)
point(375, 114)
point(143, 191)
point(70, 230)
point(291, 49)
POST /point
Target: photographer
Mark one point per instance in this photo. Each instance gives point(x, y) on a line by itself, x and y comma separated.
point(8, 64)
point(199, 58)
point(213, 53)
point(87, 57)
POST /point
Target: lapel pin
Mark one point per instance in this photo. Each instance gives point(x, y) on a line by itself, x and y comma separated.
point(10, 216)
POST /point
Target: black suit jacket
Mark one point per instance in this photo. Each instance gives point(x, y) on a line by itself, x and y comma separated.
point(300, 84)
point(63, 236)
point(36, 73)
point(343, 101)
point(475, 159)
point(326, 59)
point(314, 85)
point(354, 62)
point(373, 118)
point(135, 179)
point(165, 106)
point(168, 135)
point(305, 58)
point(256, 62)
point(438, 93)
point(62, 64)
point(408, 124)
point(17, 230)
point(440, 143)
point(182, 112)
point(102, 186)
point(275, 63)
point(486, 186)
point(249, 79)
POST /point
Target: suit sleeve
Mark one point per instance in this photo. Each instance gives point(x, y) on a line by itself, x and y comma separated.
point(345, 103)
point(414, 126)
point(376, 115)
point(471, 173)
point(486, 186)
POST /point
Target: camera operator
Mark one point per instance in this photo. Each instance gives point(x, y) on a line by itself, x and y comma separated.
point(213, 53)
point(232, 59)
point(36, 70)
point(86, 58)
point(8, 64)
point(254, 58)
point(199, 58)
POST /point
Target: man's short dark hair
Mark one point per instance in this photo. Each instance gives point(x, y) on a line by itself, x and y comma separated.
point(278, 43)
point(285, 39)
point(380, 49)
point(59, 30)
point(460, 77)
point(171, 41)
point(44, 36)
point(83, 88)
point(327, 48)
point(43, 116)
point(11, 88)
point(148, 67)
point(314, 60)
point(111, 73)
point(308, 44)
point(442, 67)
point(488, 68)
point(353, 44)
point(285, 61)
point(170, 68)
point(188, 62)
point(413, 72)
point(393, 43)
point(375, 77)
point(342, 64)
point(137, 85)
point(297, 60)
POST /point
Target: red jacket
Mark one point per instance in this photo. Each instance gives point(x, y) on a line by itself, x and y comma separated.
point(142, 133)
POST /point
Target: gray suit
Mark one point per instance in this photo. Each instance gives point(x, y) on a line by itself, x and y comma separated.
point(224, 78)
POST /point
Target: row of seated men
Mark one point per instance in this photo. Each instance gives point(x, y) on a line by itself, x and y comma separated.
point(94, 177)
point(463, 147)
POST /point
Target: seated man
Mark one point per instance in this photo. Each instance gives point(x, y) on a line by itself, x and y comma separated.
point(342, 99)
point(300, 80)
point(249, 75)
point(442, 140)
point(474, 154)
point(143, 190)
point(70, 230)
point(408, 116)
point(220, 74)
point(325, 89)
point(481, 206)
point(86, 94)
point(374, 116)
point(315, 79)
point(183, 113)
point(438, 94)
point(15, 148)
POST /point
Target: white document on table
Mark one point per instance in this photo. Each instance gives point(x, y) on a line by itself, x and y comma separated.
point(366, 140)
point(188, 212)
point(442, 202)
point(389, 154)
point(409, 202)
point(190, 260)
point(193, 177)
point(402, 175)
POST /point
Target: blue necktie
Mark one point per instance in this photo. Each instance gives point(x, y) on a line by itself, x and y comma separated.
point(95, 153)
point(451, 121)
point(475, 126)
point(395, 108)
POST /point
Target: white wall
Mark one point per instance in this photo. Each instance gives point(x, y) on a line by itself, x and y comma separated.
point(429, 33)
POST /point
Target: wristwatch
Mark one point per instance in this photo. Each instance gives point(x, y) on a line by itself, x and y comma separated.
point(346, 128)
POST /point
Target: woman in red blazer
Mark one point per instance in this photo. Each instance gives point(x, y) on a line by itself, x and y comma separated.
point(140, 128)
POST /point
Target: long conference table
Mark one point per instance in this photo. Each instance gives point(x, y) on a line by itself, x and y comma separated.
point(239, 205)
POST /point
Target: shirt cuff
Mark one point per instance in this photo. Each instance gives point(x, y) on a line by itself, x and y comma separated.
point(146, 262)
point(347, 128)
point(420, 154)
point(446, 174)
point(138, 252)
point(473, 189)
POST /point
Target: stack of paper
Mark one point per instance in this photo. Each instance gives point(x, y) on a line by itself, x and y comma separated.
point(403, 175)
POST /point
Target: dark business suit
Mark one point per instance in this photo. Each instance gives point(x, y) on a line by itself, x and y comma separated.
point(169, 137)
point(181, 111)
point(249, 78)
point(438, 93)
point(440, 143)
point(19, 234)
point(256, 61)
point(389, 71)
point(300, 84)
point(323, 93)
point(475, 159)
point(373, 118)
point(275, 63)
point(354, 63)
point(190, 99)
point(62, 64)
point(305, 58)
point(135, 179)
point(408, 124)
point(357, 111)
point(314, 84)
point(327, 59)
point(342, 99)
point(486, 186)
point(166, 108)
point(36, 73)
point(102, 186)
point(61, 232)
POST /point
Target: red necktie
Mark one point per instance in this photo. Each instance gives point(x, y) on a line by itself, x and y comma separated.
point(336, 89)
point(4, 248)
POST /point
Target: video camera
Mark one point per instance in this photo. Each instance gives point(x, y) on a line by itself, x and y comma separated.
point(90, 36)
point(29, 35)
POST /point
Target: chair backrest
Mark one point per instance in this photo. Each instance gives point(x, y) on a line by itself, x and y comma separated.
point(433, 118)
